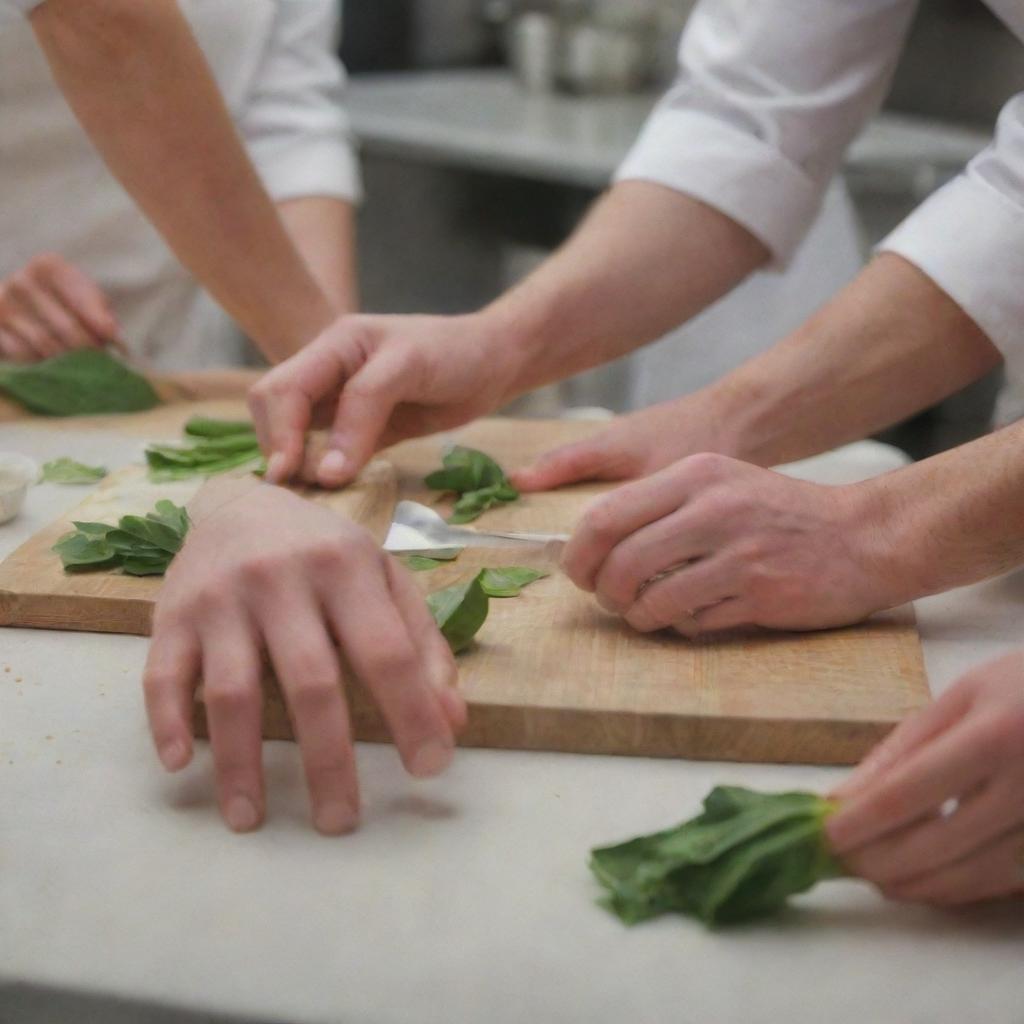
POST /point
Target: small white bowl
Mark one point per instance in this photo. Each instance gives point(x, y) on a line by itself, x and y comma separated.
point(17, 474)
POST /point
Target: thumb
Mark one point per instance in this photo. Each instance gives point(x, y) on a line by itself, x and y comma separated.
point(592, 459)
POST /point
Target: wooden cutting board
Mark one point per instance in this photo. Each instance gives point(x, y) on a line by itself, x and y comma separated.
point(36, 592)
point(552, 671)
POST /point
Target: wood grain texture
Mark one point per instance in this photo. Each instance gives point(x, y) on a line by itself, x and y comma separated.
point(36, 592)
point(552, 671)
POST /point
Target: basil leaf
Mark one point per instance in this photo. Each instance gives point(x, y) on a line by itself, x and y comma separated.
point(742, 858)
point(459, 612)
point(509, 580)
point(205, 426)
point(68, 471)
point(420, 563)
point(478, 480)
point(138, 545)
point(82, 382)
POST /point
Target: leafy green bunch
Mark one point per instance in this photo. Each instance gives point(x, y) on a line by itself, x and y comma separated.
point(476, 478)
point(83, 382)
point(742, 858)
point(138, 545)
point(218, 445)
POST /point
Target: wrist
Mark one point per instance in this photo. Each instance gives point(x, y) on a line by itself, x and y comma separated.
point(511, 339)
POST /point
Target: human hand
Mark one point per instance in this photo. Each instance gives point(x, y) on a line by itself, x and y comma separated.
point(277, 573)
point(711, 543)
point(633, 446)
point(376, 380)
point(50, 307)
point(934, 814)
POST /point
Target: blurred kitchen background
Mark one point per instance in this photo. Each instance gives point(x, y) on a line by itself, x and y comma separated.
point(487, 127)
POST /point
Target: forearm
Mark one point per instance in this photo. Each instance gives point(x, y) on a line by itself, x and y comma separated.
point(323, 230)
point(646, 259)
point(953, 519)
point(888, 346)
point(138, 83)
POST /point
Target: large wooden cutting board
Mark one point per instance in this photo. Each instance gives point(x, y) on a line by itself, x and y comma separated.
point(552, 671)
point(35, 591)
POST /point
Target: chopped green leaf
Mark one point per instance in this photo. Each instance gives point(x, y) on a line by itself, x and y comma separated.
point(478, 480)
point(219, 445)
point(67, 471)
point(82, 382)
point(424, 563)
point(138, 545)
point(509, 580)
point(459, 611)
point(742, 858)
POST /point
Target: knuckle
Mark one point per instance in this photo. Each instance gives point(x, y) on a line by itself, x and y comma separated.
point(314, 689)
point(602, 519)
point(388, 663)
point(229, 696)
point(705, 466)
point(261, 570)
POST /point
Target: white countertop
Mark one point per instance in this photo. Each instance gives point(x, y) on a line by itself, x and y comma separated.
point(462, 899)
point(483, 120)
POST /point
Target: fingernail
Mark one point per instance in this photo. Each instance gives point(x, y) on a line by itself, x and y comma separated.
point(241, 814)
point(335, 819)
point(333, 465)
point(174, 755)
point(276, 468)
point(431, 759)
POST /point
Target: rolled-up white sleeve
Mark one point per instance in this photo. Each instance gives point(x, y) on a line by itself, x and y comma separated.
point(968, 237)
point(769, 95)
point(294, 123)
point(14, 7)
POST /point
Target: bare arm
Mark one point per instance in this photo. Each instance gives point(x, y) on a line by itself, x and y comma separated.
point(137, 81)
point(324, 232)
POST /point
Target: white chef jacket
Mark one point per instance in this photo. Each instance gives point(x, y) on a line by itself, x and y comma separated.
point(769, 94)
point(275, 63)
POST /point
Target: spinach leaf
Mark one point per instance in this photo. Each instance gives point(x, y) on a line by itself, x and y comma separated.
point(424, 563)
point(459, 611)
point(742, 858)
point(67, 471)
point(138, 545)
point(219, 445)
point(83, 382)
point(206, 426)
point(478, 480)
point(509, 580)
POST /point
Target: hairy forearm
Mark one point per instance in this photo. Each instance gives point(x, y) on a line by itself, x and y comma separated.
point(646, 259)
point(955, 518)
point(138, 83)
point(889, 345)
point(323, 230)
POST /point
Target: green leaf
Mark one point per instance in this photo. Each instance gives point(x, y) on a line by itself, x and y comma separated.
point(742, 858)
point(83, 382)
point(459, 612)
point(205, 426)
point(66, 471)
point(509, 580)
point(138, 545)
point(478, 480)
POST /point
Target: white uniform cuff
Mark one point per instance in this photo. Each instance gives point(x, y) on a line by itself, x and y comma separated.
point(969, 239)
point(746, 179)
point(322, 167)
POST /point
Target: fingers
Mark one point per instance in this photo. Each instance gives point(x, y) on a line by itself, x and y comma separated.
point(991, 873)
point(436, 653)
point(282, 402)
point(911, 734)
point(665, 546)
point(308, 671)
point(381, 651)
point(84, 298)
point(942, 840)
point(234, 706)
point(364, 408)
point(31, 333)
point(13, 348)
point(613, 517)
point(169, 683)
point(679, 595)
point(949, 766)
point(592, 459)
point(54, 318)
